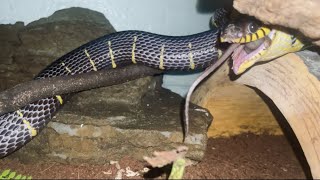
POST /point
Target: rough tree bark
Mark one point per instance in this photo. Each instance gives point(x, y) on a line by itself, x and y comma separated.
point(22, 94)
point(296, 92)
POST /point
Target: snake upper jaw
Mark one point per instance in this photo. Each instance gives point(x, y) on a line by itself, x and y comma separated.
point(244, 58)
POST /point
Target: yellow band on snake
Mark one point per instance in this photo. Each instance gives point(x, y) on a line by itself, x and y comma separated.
point(260, 33)
point(281, 43)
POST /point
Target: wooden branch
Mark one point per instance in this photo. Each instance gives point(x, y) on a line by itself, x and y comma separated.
point(296, 92)
point(25, 93)
point(305, 12)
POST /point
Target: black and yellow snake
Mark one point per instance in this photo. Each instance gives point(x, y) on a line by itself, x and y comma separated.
point(111, 51)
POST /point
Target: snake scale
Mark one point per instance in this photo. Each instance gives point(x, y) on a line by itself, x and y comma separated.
point(192, 52)
point(253, 42)
point(196, 51)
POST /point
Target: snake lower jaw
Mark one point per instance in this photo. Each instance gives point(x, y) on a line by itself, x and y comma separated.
point(246, 55)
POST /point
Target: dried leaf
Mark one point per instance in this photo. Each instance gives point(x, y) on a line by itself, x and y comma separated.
point(163, 158)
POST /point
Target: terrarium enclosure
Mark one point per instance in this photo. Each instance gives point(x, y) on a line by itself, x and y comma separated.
point(263, 123)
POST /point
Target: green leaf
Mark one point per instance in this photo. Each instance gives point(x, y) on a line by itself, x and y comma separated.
point(12, 175)
point(8, 174)
point(5, 173)
point(177, 170)
point(18, 177)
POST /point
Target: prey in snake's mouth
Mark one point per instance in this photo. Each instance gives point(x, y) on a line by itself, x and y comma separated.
point(254, 39)
point(247, 54)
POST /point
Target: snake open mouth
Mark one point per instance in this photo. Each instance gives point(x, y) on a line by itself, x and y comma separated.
point(247, 54)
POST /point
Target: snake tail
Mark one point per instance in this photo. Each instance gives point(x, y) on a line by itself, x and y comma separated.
point(204, 75)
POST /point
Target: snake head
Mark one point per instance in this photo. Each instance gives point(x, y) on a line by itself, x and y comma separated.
point(258, 42)
point(244, 31)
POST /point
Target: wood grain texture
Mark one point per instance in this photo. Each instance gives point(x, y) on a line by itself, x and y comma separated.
point(236, 108)
point(296, 93)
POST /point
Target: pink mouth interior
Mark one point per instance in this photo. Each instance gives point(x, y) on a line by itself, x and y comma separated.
point(240, 55)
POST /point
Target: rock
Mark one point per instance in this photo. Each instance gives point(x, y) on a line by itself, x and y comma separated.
point(113, 131)
point(9, 41)
point(61, 37)
point(96, 126)
point(38, 44)
point(60, 31)
point(312, 61)
point(8, 32)
point(302, 15)
point(75, 14)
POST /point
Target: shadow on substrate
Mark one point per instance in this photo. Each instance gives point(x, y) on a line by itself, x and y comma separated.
point(287, 131)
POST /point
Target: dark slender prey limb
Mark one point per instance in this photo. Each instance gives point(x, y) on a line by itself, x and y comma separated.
point(207, 72)
point(25, 93)
point(114, 50)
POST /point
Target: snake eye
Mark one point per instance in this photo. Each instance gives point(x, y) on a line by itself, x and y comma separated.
point(253, 27)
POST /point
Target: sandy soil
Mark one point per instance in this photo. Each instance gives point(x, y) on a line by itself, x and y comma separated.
point(243, 156)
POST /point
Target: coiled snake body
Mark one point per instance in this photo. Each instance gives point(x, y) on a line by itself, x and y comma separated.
point(164, 52)
point(111, 51)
